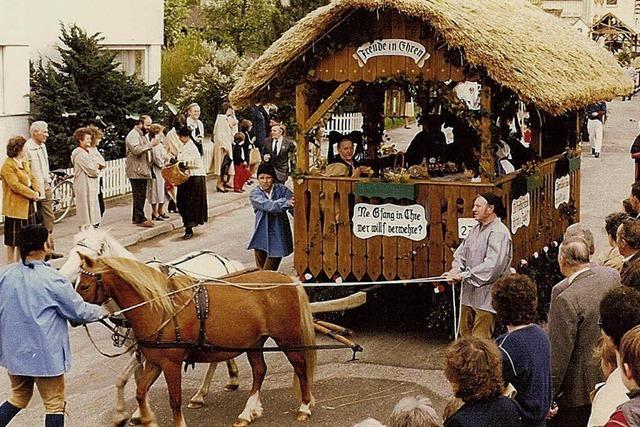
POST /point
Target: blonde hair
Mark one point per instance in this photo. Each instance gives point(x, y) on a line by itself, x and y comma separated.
point(155, 129)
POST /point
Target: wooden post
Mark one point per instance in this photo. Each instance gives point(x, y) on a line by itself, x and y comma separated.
point(326, 105)
point(486, 144)
point(302, 115)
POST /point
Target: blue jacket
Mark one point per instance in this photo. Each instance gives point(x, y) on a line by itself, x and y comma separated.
point(272, 232)
point(35, 303)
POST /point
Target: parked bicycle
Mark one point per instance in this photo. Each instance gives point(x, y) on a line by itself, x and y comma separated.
point(63, 194)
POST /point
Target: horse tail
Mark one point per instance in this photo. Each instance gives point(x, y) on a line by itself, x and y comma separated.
point(308, 337)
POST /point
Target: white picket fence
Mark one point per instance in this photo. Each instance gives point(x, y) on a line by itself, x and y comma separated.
point(344, 123)
point(115, 181)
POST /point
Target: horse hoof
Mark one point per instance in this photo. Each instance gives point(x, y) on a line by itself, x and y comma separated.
point(120, 423)
point(231, 387)
point(241, 423)
point(303, 417)
point(195, 405)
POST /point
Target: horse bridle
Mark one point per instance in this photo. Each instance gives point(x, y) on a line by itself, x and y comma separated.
point(99, 285)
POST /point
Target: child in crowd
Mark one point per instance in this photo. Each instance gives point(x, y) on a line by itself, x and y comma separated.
point(240, 162)
point(619, 313)
point(628, 414)
point(473, 366)
point(525, 348)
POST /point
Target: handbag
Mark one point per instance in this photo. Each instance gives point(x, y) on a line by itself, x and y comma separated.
point(175, 175)
point(254, 156)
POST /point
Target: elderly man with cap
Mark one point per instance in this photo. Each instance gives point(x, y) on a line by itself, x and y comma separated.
point(272, 239)
point(482, 258)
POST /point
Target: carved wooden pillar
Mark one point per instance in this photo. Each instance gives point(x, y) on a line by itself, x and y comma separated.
point(487, 157)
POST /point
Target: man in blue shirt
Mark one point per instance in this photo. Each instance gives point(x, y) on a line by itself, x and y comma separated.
point(35, 304)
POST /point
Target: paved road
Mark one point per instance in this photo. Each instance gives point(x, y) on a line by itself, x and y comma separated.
point(400, 358)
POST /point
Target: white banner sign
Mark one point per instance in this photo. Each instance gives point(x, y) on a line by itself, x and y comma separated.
point(390, 221)
point(562, 191)
point(464, 226)
point(520, 212)
point(389, 47)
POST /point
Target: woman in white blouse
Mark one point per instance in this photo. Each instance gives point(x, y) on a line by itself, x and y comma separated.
point(192, 195)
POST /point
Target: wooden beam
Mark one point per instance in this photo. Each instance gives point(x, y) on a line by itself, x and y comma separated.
point(340, 304)
point(486, 143)
point(302, 114)
point(326, 105)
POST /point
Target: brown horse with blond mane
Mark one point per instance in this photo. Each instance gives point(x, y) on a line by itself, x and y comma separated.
point(203, 322)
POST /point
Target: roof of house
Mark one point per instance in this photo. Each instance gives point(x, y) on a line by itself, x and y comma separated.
point(540, 58)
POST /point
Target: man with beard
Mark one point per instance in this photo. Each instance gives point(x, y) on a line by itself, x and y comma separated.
point(138, 167)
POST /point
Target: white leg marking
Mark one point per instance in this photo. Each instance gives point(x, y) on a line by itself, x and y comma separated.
point(253, 408)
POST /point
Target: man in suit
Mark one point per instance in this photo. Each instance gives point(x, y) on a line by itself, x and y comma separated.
point(574, 332)
point(260, 119)
point(628, 241)
point(280, 152)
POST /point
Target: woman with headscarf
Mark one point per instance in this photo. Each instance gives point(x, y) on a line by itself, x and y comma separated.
point(272, 239)
point(85, 179)
point(225, 127)
point(192, 194)
point(19, 194)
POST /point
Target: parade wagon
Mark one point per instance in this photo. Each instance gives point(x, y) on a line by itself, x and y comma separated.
point(522, 61)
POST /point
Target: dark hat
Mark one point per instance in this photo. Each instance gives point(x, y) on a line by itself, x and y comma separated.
point(495, 201)
point(266, 167)
point(184, 131)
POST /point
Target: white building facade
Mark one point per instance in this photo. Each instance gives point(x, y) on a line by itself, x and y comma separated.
point(589, 11)
point(30, 29)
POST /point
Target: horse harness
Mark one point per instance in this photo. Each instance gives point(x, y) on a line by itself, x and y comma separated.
point(200, 298)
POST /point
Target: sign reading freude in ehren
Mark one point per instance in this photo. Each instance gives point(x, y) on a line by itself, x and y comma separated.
point(392, 47)
point(390, 221)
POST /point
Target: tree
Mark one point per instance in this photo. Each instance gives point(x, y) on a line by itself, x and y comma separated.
point(175, 20)
point(245, 25)
point(84, 88)
point(209, 86)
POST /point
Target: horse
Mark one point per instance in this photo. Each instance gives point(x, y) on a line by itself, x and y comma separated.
point(179, 319)
point(94, 242)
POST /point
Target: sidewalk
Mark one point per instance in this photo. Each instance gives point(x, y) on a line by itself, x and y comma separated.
point(117, 219)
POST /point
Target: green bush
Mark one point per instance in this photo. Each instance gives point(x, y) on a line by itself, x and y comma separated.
point(184, 58)
point(85, 88)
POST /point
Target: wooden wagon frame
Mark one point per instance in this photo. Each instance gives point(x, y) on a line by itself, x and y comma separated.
point(507, 46)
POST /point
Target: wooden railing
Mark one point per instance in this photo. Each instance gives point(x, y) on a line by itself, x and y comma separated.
point(325, 244)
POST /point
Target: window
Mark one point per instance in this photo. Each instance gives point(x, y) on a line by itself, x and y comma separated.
point(131, 61)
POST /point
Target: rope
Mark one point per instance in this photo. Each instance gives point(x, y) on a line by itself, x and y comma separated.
point(109, 355)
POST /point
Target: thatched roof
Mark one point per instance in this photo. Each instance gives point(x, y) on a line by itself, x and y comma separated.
point(519, 45)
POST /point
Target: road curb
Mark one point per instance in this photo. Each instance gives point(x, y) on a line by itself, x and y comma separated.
point(168, 226)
